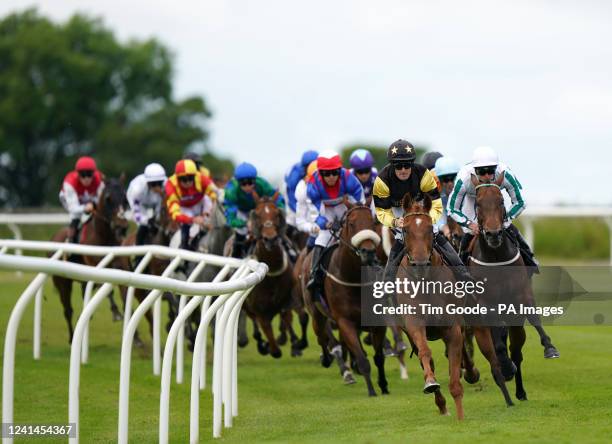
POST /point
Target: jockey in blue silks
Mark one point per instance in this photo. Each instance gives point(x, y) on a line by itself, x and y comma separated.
point(296, 173)
point(362, 166)
point(327, 189)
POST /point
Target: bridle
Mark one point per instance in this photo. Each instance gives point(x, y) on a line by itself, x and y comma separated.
point(337, 234)
point(485, 185)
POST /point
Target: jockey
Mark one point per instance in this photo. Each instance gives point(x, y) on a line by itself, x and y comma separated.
point(362, 166)
point(80, 192)
point(327, 188)
point(403, 176)
point(292, 178)
point(239, 201)
point(306, 213)
point(486, 167)
point(145, 193)
point(189, 197)
point(446, 169)
point(430, 158)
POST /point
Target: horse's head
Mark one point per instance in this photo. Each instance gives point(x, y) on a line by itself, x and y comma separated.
point(490, 210)
point(418, 230)
point(112, 206)
point(359, 231)
point(267, 221)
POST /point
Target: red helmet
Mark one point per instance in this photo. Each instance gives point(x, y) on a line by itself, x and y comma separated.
point(329, 160)
point(185, 167)
point(85, 163)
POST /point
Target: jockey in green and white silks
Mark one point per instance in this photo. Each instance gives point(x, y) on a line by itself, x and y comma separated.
point(461, 206)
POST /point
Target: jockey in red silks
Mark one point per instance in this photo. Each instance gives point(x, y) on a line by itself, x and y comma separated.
point(189, 197)
point(80, 192)
point(327, 189)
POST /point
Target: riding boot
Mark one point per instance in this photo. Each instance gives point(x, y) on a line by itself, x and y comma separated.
point(141, 234)
point(73, 231)
point(315, 283)
point(289, 248)
point(524, 248)
point(444, 247)
point(239, 246)
point(185, 236)
point(463, 248)
point(395, 257)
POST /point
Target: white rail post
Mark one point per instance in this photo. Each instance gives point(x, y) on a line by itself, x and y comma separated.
point(180, 344)
point(88, 290)
point(17, 235)
point(10, 340)
point(75, 349)
point(126, 354)
point(37, 322)
point(205, 306)
point(127, 313)
point(529, 232)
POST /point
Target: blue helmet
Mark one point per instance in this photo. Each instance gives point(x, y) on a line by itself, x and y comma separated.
point(308, 156)
point(361, 159)
point(245, 171)
point(446, 166)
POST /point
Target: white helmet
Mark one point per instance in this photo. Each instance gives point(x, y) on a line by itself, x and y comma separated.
point(484, 156)
point(154, 172)
point(446, 166)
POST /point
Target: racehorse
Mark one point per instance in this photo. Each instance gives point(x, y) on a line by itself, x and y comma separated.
point(342, 291)
point(490, 248)
point(422, 263)
point(273, 295)
point(107, 226)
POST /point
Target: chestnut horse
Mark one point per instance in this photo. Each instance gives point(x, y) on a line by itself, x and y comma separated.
point(491, 248)
point(107, 227)
point(273, 295)
point(423, 263)
point(342, 289)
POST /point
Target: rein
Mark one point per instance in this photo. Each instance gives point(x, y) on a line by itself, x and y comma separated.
point(496, 264)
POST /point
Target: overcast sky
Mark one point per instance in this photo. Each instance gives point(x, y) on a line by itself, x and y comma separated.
point(533, 79)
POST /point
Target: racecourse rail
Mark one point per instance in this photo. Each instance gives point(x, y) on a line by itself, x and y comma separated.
point(222, 298)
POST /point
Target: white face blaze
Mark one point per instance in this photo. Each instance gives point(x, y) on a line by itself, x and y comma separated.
point(418, 221)
point(267, 210)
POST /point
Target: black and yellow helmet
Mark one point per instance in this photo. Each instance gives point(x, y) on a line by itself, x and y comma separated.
point(401, 151)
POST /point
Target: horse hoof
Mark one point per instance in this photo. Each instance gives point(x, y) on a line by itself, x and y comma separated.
point(243, 342)
point(117, 317)
point(431, 387)
point(302, 344)
point(326, 360)
point(282, 339)
point(389, 352)
point(472, 377)
point(385, 391)
point(276, 354)
point(138, 343)
point(551, 353)
point(509, 404)
point(296, 352)
point(263, 349)
point(371, 394)
point(508, 369)
point(401, 346)
point(521, 396)
point(348, 378)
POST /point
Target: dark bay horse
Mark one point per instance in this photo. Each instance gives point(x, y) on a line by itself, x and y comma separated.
point(273, 295)
point(490, 250)
point(423, 263)
point(107, 227)
point(342, 288)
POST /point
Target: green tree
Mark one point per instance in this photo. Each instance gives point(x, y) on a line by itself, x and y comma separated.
point(71, 89)
point(379, 152)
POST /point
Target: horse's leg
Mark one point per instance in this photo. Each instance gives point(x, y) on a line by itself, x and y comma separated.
point(348, 331)
point(517, 340)
point(485, 344)
point(419, 339)
point(282, 337)
point(64, 287)
point(117, 316)
point(296, 350)
point(339, 352)
point(471, 375)
point(454, 345)
point(500, 336)
point(319, 325)
point(262, 346)
point(378, 336)
point(400, 345)
point(303, 317)
point(243, 338)
point(266, 326)
point(550, 351)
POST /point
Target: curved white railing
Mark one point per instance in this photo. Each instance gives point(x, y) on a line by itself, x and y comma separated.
point(228, 293)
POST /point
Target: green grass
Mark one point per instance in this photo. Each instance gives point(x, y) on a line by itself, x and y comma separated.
point(296, 400)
